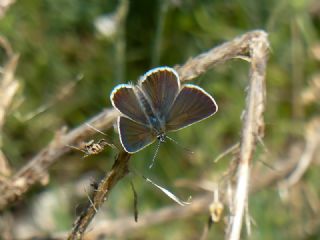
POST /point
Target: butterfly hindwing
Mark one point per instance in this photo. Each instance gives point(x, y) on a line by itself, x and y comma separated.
point(191, 105)
point(134, 136)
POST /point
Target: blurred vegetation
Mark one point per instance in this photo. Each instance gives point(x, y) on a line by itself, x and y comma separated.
point(59, 44)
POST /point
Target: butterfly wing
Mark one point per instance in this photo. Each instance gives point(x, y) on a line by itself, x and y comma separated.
point(192, 104)
point(124, 99)
point(161, 86)
point(134, 136)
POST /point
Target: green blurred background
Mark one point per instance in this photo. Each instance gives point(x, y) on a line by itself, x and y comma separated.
point(59, 43)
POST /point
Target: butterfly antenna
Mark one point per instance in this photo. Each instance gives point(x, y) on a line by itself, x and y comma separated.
point(155, 154)
point(185, 148)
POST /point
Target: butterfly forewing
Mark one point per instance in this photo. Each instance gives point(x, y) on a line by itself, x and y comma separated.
point(125, 100)
point(161, 87)
point(192, 104)
point(134, 136)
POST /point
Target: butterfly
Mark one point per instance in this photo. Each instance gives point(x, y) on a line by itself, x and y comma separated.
point(157, 105)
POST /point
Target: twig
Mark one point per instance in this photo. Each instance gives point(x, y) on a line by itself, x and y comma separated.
point(199, 205)
point(4, 6)
point(203, 63)
point(253, 127)
point(237, 47)
point(63, 92)
point(231, 149)
point(135, 202)
point(312, 143)
point(118, 171)
point(8, 88)
point(125, 225)
point(34, 171)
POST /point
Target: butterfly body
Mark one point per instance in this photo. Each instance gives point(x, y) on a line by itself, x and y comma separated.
point(152, 117)
point(157, 105)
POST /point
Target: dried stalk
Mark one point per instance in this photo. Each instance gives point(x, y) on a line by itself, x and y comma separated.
point(125, 225)
point(4, 6)
point(36, 169)
point(199, 205)
point(118, 171)
point(253, 129)
point(194, 67)
point(312, 136)
point(8, 88)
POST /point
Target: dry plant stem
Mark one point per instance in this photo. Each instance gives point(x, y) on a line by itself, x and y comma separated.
point(62, 93)
point(118, 171)
point(253, 127)
point(199, 205)
point(36, 169)
point(235, 48)
point(8, 88)
point(255, 111)
point(312, 143)
point(122, 226)
point(4, 6)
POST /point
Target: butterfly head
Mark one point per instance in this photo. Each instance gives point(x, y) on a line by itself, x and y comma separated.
point(161, 137)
